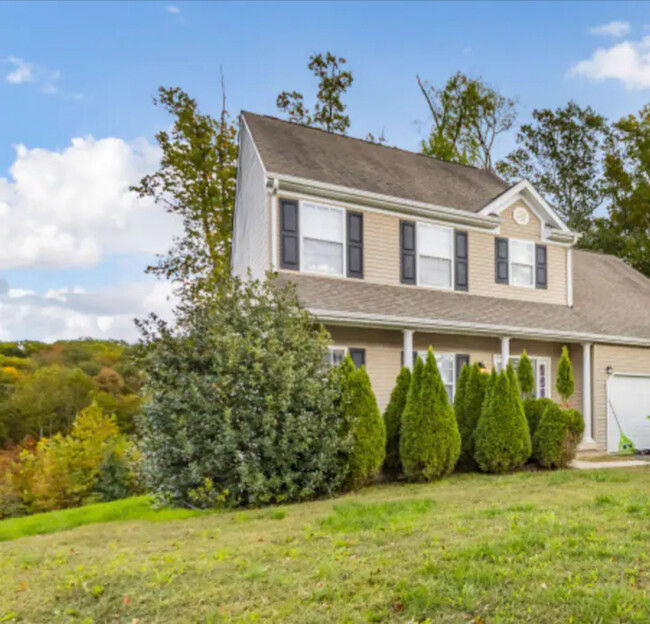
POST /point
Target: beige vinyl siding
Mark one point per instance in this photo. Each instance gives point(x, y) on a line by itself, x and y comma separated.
point(622, 359)
point(384, 354)
point(382, 257)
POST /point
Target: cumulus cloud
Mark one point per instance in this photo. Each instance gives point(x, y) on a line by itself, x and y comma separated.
point(628, 62)
point(612, 29)
point(73, 207)
point(22, 71)
point(61, 314)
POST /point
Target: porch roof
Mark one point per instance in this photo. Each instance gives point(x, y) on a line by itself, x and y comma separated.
point(611, 304)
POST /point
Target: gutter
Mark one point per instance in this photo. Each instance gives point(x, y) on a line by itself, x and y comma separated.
point(378, 200)
point(362, 319)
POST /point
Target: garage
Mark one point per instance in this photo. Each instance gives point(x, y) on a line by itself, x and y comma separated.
point(628, 401)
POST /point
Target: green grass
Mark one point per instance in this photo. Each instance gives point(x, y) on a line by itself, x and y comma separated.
point(538, 548)
point(136, 508)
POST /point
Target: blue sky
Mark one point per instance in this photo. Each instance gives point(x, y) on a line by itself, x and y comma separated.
point(75, 241)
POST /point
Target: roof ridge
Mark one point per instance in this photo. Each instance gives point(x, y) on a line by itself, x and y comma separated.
point(390, 147)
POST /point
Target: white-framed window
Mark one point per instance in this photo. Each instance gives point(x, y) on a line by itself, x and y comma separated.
point(335, 355)
point(522, 262)
point(322, 245)
point(446, 363)
point(435, 249)
point(541, 373)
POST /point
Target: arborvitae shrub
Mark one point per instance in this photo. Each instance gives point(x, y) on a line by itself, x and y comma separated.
point(430, 443)
point(565, 384)
point(393, 417)
point(367, 428)
point(459, 395)
point(525, 375)
point(534, 410)
point(502, 441)
point(557, 437)
point(515, 396)
point(469, 415)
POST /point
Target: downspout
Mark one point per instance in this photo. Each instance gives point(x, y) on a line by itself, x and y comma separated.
point(273, 193)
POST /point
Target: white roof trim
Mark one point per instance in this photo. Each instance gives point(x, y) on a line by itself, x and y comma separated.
point(538, 203)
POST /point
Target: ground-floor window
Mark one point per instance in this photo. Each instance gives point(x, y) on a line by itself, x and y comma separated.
point(541, 373)
point(447, 366)
point(335, 355)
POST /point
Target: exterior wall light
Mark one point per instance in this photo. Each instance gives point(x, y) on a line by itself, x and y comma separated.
point(609, 370)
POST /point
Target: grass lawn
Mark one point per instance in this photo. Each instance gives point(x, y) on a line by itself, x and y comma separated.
point(543, 548)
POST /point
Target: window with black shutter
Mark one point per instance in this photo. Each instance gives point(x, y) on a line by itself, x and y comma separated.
point(358, 356)
point(355, 244)
point(407, 247)
point(541, 268)
point(289, 237)
point(501, 260)
point(461, 360)
point(461, 256)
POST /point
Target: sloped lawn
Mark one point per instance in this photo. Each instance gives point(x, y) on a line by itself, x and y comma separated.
point(540, 547)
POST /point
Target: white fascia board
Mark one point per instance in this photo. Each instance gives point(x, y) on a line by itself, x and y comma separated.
point(524, 186)
point(333, 191)
point(465, 327)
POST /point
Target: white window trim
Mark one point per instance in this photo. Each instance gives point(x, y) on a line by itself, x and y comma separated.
point(451, 260)
point(423, 356)
point(540, 358)
point(332, 348)
point(527, 242)
point(301, 237)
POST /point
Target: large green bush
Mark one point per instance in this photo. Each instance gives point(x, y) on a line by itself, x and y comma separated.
point(244, 408)
point(430, 442)
point(468, 416)
point(534, 410)
point(557, 437)
point(366, 426)
point(502, 441)
point(393, 417)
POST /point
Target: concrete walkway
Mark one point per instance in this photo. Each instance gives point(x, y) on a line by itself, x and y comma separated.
point(581, 464)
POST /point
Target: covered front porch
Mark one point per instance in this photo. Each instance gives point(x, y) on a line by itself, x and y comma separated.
point(385, 350)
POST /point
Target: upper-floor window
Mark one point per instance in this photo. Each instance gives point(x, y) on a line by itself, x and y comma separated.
point(435, 246)
point(322, 239)
point(522, 262)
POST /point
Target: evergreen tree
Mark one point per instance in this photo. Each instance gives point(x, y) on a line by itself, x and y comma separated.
point(525, 375)
point(473, 403)
point(489, 386)
point(502, 441)
point(411, 415)
point(515, 397)
point(557, 437)
point(393, 417)
point(430, 441)
point(459, 395)
point(565, 384)
point(366, 425)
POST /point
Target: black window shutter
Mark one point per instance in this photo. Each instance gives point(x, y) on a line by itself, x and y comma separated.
point(355, 244)
point(501, 260)
point(461, 260)
point(461, 360)
point(289, 238)
point(407, 247)
point(541, 270)
point(358, 356)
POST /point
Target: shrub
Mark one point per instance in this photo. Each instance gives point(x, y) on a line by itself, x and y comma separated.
point(366, 426)
point(471, 411)
point(557, 437)
point(502, 441)
point(430, 443)
point(393, 417)
point(244, 408)
point(525, 375)
point(459, 399)
point(534, 410)
point(565, 384)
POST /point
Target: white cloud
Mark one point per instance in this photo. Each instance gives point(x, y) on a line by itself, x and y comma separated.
point(73, 208)
point(22, 72)
point(612, 29)
point(173, 9)
point(73, 313)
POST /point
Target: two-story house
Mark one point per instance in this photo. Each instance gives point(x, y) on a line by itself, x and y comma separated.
point(395, 252)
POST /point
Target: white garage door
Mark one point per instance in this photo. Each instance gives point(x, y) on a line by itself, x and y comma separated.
point(630, 398)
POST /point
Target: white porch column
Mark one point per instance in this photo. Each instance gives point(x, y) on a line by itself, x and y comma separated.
point(505, 352)
point(586, 391)
point(408, 348)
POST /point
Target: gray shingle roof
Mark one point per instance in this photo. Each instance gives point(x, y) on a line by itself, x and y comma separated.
point(610, 299)
point(292, 149)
